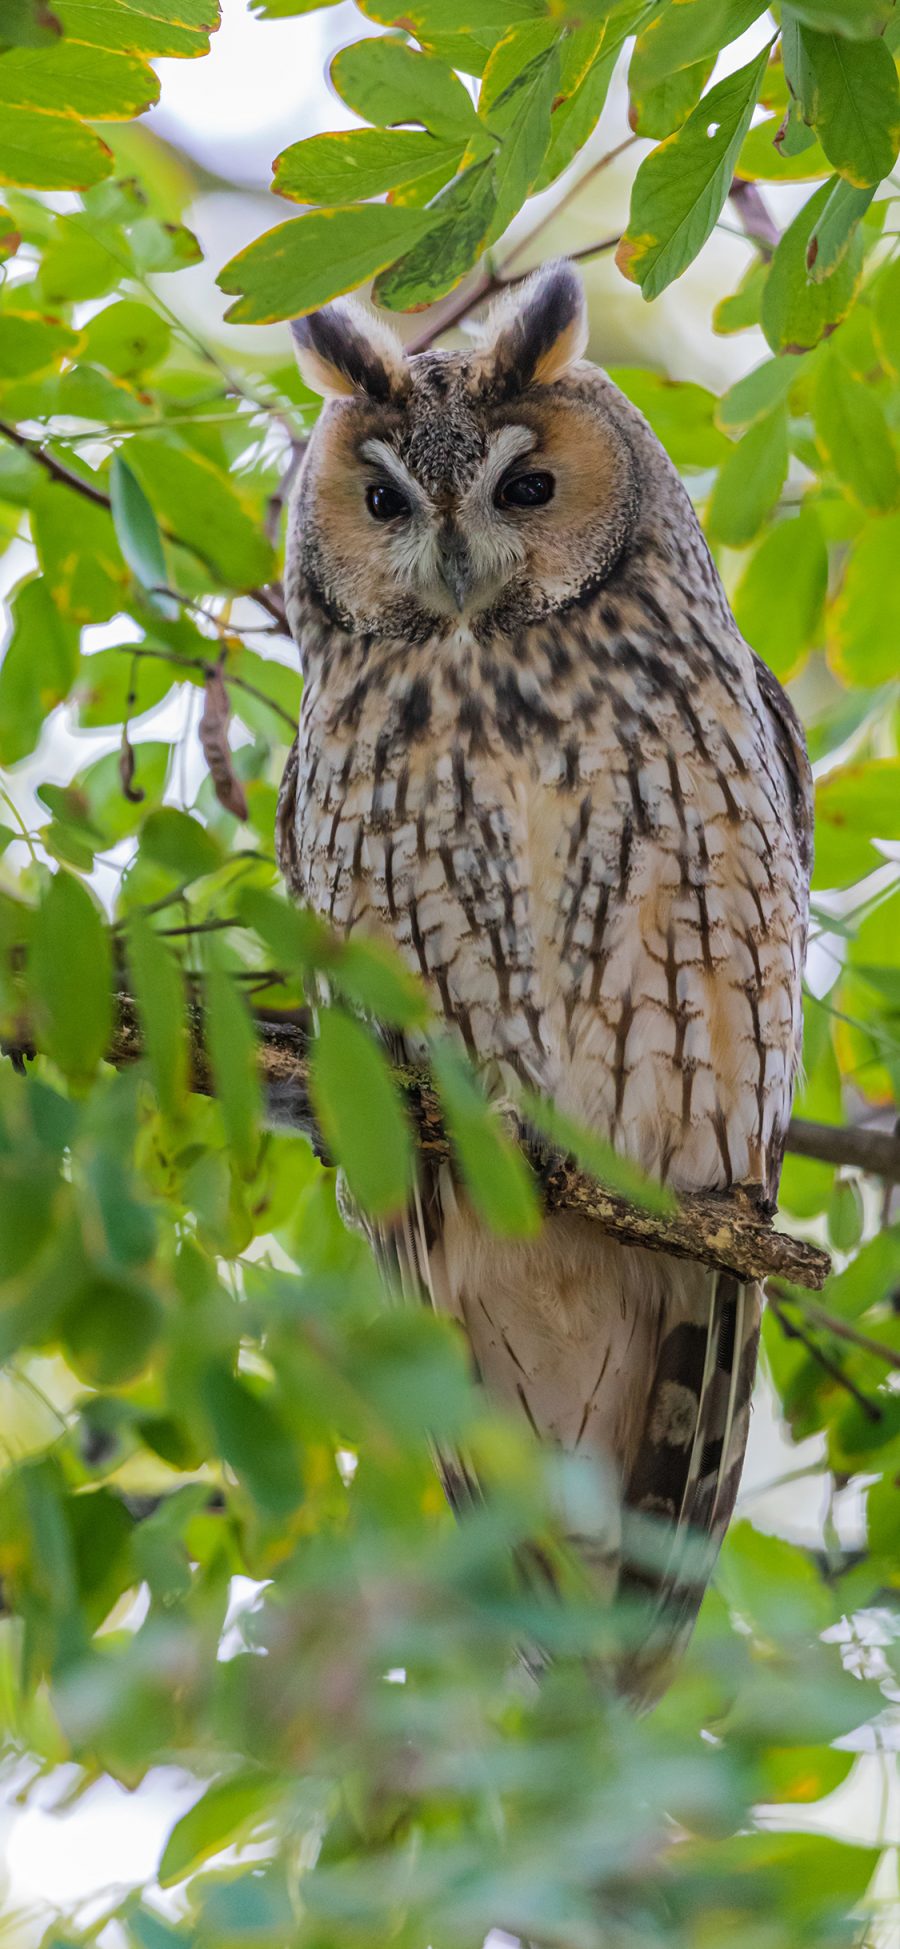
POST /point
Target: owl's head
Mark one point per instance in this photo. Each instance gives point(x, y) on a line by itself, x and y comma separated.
point(491, 485)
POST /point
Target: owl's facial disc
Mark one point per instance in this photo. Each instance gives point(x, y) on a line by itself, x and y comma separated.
point(489, 487)
point(444, 543)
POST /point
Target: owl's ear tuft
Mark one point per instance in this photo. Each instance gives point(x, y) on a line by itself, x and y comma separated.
point(345, 349)
point(534, 333)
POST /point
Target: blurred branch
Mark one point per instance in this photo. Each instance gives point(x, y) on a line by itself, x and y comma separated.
point(793, 1331)
point(54, 467)
point(755, 217)
point(842, 1329)
point(875, 1151)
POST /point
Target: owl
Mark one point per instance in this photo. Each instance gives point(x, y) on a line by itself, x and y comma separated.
point(536, 754)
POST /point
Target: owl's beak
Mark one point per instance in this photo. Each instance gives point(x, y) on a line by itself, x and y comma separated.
point(455, 564)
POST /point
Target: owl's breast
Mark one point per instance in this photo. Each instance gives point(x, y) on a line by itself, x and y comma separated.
point(615, 911)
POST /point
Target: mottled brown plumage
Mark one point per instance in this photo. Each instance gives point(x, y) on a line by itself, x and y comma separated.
point(537, 755)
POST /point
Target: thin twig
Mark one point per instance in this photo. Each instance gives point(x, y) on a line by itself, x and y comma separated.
point(207, 670)
point(756, 219)
point(53, 466)
point(490, 282)
point(792, 1331)
point(842, 1329)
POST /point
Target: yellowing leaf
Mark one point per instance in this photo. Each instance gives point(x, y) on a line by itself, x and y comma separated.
point(796, 311)
point(360, 163)
point(314, 258)
point(853, 434)
point(851, 97)
point(681, 186)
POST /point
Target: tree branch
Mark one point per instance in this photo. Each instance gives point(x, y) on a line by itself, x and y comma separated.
point(875, 1151)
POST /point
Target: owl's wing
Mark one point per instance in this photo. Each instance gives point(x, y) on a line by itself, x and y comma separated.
point(286, 820)
point(790, 745)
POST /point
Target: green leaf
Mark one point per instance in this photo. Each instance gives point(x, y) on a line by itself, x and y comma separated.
point(497, 1179)
point(779, 600)
point(855, 805)
point(852, 433)
point(740, 309)
point(70, 977)
point(232, 1053)
point(796, 312)
point(138, 534)
point(834, 229)
point(109, 1329)
point(371, 974)
point(82, 259)
point(50, 151)
point(201, 507)
point(114, 684)
point(758, 393)
point(227, 1812)
point(886, 295)
point(461, 220)
point(681, 186)
point(867, 612)
point(38, 669)
point(312, 259)
point(28, 23)
point(74, 80)
point(767, 157)
point(127, 338)
point(79, 554)
point(174, 839)
point(850, 95)
point(750, 482)
point(30, 344)
point(680, 413)
point(589, 56)
point(515, 103)
point(159, 989)
point(385, 81)
point(362, 1118)
point(661, 107)
point(359, 163)
point(163, 27)
point(690, 32)
point(857, 19)
point(252, 1439)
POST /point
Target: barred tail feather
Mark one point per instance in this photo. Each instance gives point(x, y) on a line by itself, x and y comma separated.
point(687, 1473)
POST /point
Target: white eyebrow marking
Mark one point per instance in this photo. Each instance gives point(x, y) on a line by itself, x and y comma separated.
point(382, 455)
point(506, 446)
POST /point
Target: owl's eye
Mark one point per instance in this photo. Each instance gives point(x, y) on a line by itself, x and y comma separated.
point(386, 503)
point(526, 491)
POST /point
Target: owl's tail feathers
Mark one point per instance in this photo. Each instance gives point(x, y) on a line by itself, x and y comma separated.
point(682, 1489)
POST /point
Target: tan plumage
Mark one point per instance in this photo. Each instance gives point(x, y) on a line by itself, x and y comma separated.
point(536, 754)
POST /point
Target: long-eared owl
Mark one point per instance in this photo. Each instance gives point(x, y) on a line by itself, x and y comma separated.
point(537, 755)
